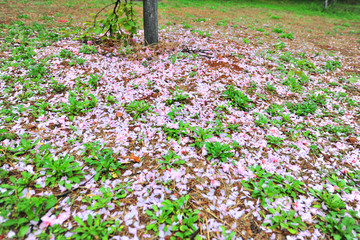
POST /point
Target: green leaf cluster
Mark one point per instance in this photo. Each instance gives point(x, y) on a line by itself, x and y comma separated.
point(138, 108)
point(176, 216)
point(238, 98)
point(216, 150)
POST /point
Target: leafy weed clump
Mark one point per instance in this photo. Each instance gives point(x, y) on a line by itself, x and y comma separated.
point(106, 166)
point(171, 160)
point(179, 96)
point(238, 98)
point(60, 168)
point(88, 49)
point(332, 65)
point(303, 109)
point(267, 188)
point(216, 150)
point(95, 228)
point(177, 130)
point(75, 107)
point(287, 35)
point(176, 217)
point(138, 108)
point(19, 211)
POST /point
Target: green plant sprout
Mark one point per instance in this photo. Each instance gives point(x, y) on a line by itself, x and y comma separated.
point(175, 216)
point(138, 108)
point(238, 98)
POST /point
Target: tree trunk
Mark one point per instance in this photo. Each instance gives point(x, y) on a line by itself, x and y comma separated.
point(150, 10)
point(328, 3)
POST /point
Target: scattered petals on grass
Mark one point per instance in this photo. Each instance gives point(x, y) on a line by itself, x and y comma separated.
point(155, 126)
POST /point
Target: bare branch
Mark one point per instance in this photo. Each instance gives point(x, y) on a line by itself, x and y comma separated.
point(102, 10)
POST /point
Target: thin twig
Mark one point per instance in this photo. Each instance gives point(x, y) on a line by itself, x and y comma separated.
point(101, 11)
point(193, 235)
point(207, 228)
point(116, 4)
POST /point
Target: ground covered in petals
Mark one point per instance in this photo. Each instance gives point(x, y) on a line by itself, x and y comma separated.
point(221, 131)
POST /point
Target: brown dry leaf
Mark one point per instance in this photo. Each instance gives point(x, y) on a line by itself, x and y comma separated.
point(134, 158)
point(119, 114)
point(352, 140)
point(31, 127)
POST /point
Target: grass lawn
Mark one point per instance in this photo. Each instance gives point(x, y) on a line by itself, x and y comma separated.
point(242, 123)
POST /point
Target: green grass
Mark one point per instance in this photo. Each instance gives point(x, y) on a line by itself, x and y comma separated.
point(304, 7)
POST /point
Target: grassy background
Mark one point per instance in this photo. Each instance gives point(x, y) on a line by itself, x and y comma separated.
point(349, 10)
point(305, 7)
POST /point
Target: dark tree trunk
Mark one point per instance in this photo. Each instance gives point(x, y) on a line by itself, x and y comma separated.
point(150, 21)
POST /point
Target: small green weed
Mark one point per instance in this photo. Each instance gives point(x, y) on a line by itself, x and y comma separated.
point(318, 98)
point(171, 160)
point(267, 186)
point(92, 148)
point(227, 236)
point(202, 33)
point(94, 80)
point(60, 168)
point(340, 131)
point(261, 121)
point(238, 98)
point(280, 45)
point(275, 110)
point(95, 228)
point(278, 30)
point(202, 135)
point(20, 211)
point(24, 146)
point(275, 17)
point(4, 134)
point(216, 150)
point(105, 164)
point(287, 35)
point(75, 107)
point(138, 108)
point(38, 70)
point(336, 223)
point(274, 141)
point(303, 109)
point(99, 201)
point(88, 49)
point(57, 87)
point(177, 130)
point(332, 201)
point(77, 60)
point(64, 53)
point(305, 64)
point(179, 96)
point(293, 84)
point(246, 41)
point(181, 220)
point(200, 20)
point(332, 65)
point(176, 111)
point(222, 23)
point(271, 87)
point(23, 16)
point(286, 220)
point(339, 228)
